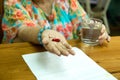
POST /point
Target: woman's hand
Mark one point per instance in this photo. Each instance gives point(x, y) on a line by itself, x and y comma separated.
point(104, 35)
point(55, 42)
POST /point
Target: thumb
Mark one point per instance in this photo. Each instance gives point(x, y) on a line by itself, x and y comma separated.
point(108, 38)
point(45, 40)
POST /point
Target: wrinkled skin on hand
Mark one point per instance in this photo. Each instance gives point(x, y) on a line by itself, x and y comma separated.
point(59, 48)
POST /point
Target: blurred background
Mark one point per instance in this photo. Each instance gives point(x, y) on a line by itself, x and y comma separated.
point(107, 10)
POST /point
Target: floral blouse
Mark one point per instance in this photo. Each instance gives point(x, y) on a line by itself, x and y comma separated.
point(68, 15)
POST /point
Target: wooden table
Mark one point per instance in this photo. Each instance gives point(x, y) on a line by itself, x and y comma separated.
point(13, 67)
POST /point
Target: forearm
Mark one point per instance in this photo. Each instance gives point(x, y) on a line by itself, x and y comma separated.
point(29, 34)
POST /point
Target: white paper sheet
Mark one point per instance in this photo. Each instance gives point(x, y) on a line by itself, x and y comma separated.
point(47, 66)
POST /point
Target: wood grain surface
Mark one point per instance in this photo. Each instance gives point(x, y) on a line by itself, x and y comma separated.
point(13, 67)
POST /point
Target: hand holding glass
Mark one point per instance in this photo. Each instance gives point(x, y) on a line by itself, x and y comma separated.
point(91, 30)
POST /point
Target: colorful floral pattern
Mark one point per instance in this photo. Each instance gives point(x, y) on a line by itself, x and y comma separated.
point(67, 15)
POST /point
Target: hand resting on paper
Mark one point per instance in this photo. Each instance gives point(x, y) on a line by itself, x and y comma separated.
point(55, 42)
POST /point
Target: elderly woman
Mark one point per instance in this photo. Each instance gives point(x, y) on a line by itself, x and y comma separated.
point(49, 23)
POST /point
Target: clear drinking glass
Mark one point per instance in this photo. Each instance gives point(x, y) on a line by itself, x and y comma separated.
point(91, 30)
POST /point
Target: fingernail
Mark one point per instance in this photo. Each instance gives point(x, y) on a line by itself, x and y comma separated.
point(67, 53)
point(73, 53)
point(59, 54)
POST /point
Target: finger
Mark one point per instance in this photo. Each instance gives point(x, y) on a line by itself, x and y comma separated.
point(47, 47)
point(103, 32)
point(108, 38)
point(45, 40)
point(69, 48)
point(71, 51)
point(62, 49)
point(103, 37)
point(56, 51)
point(52, 48)
point(101, 41)
point(103, 29)
point(66, 45)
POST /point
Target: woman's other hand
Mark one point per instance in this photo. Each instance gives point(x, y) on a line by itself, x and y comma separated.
point(104, 35)
point(55, 42)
